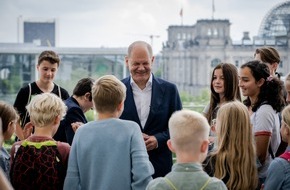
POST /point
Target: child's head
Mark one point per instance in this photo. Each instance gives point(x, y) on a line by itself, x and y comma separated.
point(49, 56)
point(84, 87)
point(9, 119)
point(83, 93)
point(233, 122)
point(47, 67)
point(270, 56)
point(46, 109)
point(235, 152)
point(227, 74)
point(257, 83)
point(108, 94)
point(189, 130)
point(285, 127)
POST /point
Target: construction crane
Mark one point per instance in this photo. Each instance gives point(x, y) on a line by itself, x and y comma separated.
point(151, 36)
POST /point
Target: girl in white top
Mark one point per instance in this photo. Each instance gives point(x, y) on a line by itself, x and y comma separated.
point(264, 101)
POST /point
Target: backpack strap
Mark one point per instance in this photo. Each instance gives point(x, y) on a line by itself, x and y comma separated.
point(271, 151)
point(59, 92)
point(170, 183)
point(286, 156)
point(173, 187)
point(206, 183)
point(270, 148)
point(26, 113)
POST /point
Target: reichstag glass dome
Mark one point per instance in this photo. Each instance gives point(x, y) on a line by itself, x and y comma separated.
point(276, 23)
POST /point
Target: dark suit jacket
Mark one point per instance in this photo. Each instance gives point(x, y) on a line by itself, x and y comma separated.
point(74, 113)
point(164, 101)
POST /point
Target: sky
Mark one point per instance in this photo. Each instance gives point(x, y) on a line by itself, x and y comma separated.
point(117, 23)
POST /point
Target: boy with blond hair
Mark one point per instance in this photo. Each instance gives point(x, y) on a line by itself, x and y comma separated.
point(189, 133)
point(39, 162)
point(108, 153)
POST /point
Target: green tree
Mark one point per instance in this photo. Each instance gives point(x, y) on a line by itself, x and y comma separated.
point(196, 103)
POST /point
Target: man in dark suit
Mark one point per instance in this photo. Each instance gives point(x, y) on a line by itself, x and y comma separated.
point(150, 101)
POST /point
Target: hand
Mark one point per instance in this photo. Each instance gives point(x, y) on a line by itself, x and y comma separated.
point(145, 136)
point(76, 125)
point(150, 142)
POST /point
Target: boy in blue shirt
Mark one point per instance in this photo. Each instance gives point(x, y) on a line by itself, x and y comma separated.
point(108, 153)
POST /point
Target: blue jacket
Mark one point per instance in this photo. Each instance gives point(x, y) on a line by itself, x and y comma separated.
point(108, 154)
point(74, 113)
point(164, 101)
point(278, 175)
point(5, 161)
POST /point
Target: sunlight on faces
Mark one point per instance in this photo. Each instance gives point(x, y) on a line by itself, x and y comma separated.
point(247, 83)
point(218, 82)
point(47, 71)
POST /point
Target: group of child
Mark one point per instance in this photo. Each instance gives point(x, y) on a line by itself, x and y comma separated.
point(110, 153)
point(110, 150)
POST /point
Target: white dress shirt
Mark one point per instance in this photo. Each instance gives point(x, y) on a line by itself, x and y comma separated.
point(142, 99)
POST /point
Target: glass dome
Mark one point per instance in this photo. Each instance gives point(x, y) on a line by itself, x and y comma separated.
point(276, 23)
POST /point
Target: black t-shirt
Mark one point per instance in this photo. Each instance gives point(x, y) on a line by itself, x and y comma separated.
point(22, 98)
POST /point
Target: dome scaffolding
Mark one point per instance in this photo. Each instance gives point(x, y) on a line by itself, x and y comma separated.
point(276, 23)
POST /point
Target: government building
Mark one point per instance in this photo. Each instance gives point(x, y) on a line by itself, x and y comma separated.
point(191, 52)
point(187, 58)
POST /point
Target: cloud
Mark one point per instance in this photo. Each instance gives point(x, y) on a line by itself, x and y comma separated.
point(113, 23)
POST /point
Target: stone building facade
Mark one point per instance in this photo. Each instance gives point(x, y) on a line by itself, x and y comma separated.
point(191, 52)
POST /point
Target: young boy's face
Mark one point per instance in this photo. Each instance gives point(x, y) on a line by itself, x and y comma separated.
point(47, 71)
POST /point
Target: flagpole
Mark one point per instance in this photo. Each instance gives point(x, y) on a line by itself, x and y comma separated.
point(181, 15)
point(213, 9)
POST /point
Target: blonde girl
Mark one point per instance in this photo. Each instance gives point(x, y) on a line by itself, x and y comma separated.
point(234, 160)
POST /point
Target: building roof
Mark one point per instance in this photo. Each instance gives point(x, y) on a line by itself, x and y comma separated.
point(276, 22)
